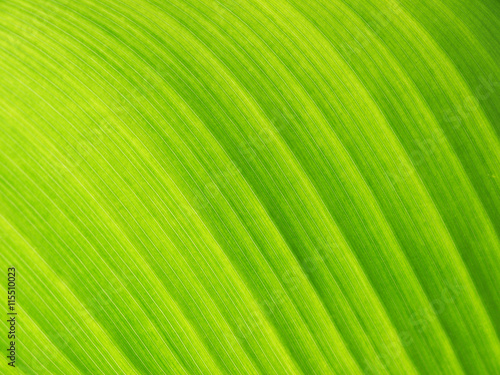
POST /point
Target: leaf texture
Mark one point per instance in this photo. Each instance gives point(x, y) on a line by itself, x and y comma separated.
point(250, 186)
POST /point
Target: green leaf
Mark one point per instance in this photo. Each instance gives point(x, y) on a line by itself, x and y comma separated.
point(250, 187)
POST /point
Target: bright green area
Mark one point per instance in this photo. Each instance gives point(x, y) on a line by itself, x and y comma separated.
point(251, 186)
